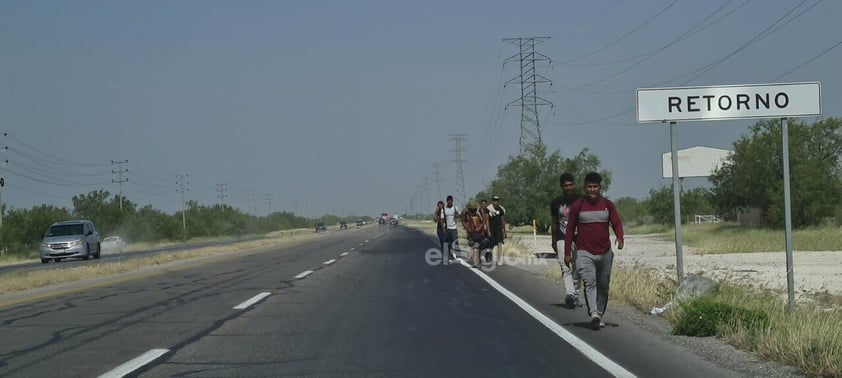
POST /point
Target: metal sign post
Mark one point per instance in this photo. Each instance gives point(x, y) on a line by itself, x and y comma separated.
point(676, 199)
point(790, 279)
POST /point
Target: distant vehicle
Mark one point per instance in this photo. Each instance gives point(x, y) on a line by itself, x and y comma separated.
point(360, 223)
point(113, 243)
point(393, 221)
point(343, 226)
point(70, 239)
point(320, 227)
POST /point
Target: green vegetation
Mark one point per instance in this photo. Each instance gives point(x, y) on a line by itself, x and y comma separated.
point(734, 238)
point(23, 229)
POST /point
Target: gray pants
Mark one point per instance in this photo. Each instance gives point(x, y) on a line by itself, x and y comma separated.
point(452, 242)
point(569, 276)
point(595, 271)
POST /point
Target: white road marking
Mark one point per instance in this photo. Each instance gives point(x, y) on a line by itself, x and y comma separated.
point(353, 248)
point(328, 262)
point(343, 254)
point(135, 363)
point(592, 354)
point(366, 241)
point(253, 300)
point(303, 274)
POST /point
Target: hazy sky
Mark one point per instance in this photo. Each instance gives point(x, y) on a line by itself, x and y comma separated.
point(344, 106)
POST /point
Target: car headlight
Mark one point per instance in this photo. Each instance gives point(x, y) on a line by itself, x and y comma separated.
point(45, 245)
point(75, 243)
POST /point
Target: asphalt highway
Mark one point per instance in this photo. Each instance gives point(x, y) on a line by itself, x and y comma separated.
point(351, 303)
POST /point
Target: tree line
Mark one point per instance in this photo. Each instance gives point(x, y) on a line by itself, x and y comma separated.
point(751, 178)
point(23, 229)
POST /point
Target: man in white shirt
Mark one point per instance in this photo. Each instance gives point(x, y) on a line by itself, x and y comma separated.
point(451, 213)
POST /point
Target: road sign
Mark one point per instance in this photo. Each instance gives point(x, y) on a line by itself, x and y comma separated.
point(729, 102)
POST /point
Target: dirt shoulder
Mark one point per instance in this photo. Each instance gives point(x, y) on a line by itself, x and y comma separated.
point(814, 271)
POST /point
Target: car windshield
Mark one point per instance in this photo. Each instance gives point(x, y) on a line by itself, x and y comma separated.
point(66, 230)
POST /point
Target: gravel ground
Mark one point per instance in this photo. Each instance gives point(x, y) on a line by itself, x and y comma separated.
point(645, 250)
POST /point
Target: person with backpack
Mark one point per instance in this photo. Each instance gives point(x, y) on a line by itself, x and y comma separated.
point(591, 218)
point(475, 229)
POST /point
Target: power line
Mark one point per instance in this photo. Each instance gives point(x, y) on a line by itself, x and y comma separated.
point(807, 62)
point(56, 160)
point(624, 36)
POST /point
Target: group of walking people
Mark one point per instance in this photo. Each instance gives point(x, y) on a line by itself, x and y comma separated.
point(581, 222)
point(484, 225)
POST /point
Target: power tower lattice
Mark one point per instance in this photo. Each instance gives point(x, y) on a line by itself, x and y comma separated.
point(458, 159)
point(529, 80)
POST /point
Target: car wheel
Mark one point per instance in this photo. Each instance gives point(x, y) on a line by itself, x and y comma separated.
point(87, 252)
point(44, 261)
point(98, 250)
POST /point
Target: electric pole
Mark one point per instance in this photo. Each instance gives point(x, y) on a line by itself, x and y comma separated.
point(182, 188)
point(529, 80)
point(458, 151)
point(120, 180)
point(222, 194)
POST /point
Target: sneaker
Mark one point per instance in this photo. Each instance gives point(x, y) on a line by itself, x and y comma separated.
point(596, 321)
point(601, 324)
point(568, 301)
point(576, 301)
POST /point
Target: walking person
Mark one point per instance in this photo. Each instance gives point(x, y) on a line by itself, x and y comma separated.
point(475, 230)
point(439, 219)
point(593, 243)
point(560, 209)
point(451, 213)
point(485, 254)
point(497, 226)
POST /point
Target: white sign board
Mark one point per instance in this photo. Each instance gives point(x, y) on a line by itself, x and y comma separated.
point(694, 161)
point(729, 102)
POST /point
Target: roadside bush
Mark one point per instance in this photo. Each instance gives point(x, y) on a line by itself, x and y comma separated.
point(705, 316)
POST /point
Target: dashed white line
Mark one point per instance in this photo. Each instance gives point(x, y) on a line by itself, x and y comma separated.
point(303, 274)
point(135, 363)
point(353, 248)
point(343, 254)
point(253, 300)
point(328, 262)
point(366, 241)
point(594, 355)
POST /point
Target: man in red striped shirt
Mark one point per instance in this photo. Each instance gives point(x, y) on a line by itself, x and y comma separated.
point(590, 218)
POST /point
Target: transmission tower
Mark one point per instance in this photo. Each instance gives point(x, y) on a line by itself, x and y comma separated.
point(222, 194)
point(458, 151)
point(437, 178)
point(120, 180)
point(529, 80)
point(268, 198)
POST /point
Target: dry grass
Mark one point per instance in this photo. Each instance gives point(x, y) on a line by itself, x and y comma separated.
point(810, 338)
point(25, 280)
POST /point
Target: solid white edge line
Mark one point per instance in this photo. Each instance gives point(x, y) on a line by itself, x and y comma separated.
point(135, 363)
point(253, 300)
point(343, 254)
point(592, 354)
point(328, 262)
point(303, 274)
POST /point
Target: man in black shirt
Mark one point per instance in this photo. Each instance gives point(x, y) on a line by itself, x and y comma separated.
point(560, 209)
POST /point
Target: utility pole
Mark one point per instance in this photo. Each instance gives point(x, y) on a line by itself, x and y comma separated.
point(182, 188)
point(222, 194)
point(268, 198)
point(458, 151)
point(529, 80)
point(120, 180)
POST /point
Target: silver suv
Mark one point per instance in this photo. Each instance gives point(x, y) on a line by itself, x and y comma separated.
point(77, 238)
